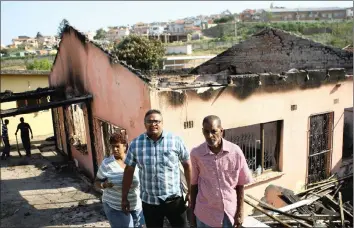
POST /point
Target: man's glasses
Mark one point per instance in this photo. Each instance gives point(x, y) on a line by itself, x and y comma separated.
point(152, 121)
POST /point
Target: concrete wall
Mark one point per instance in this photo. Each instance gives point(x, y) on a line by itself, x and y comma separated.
point(119, 95)
point(183, 49)
point(276, 51)
point(41, 122)
point(261, 107)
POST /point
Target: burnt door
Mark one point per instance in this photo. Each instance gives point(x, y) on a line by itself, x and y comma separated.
point(320, 147)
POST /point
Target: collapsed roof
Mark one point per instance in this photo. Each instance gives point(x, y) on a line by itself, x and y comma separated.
point(272, 55)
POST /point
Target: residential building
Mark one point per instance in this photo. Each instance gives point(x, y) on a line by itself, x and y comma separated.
point(47, 41)
point(18, 81)
point(25, 41)
point(284, 104)
point(141, 29)
point(123, 32)
point(305, 14)
point(349, 13)
point(176, 27)
point(90, 34)
point(117, 33)
point(156, 30)
point(247, 15)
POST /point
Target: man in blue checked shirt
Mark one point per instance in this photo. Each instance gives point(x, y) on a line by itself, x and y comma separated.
point(158, 153)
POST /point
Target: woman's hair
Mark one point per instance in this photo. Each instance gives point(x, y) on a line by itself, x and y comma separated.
point(118, 137)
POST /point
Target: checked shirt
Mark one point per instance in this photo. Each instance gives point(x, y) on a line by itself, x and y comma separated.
point(158, 164)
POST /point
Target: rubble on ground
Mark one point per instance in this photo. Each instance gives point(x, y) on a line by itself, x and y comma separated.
point(328, 203)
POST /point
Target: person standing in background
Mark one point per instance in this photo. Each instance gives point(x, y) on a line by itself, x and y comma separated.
point(26, 142)
point(5, 139)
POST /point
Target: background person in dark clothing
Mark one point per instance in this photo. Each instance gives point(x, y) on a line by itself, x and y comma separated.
point(25, 128)
point(5, 139)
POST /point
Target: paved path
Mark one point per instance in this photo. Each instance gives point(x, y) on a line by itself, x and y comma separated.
point(35, 193)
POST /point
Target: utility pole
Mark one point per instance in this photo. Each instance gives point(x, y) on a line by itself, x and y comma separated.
point(235, 28)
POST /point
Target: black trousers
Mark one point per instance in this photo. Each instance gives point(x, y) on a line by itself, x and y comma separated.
point(26, 144)
point(173, 209)
point(6, 150)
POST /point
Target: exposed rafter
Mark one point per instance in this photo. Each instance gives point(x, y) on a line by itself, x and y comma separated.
point(40, 107)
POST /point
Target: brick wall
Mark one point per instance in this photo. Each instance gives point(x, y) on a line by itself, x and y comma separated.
point(276, 51)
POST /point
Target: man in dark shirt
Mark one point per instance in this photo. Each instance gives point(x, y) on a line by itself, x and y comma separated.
point(5, 139)
point(25, 128)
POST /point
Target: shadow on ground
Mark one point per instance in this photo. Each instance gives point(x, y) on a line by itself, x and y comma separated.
point(36, 193)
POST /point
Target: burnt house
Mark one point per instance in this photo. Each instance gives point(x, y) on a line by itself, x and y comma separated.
point(280, 98)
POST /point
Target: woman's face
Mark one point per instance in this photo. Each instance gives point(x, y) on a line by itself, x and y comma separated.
point(119, 150)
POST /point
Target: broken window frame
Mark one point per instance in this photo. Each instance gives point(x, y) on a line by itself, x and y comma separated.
point(256, 147)
point(107, 129)
point(79, 132)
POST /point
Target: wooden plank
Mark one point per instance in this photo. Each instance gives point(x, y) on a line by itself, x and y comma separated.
point(264, 212)
point(341, 209)
point(335, 203)
point(321, 182)
point(314, 217)
point(325, 184)
point(303, 202)
point(269, 207)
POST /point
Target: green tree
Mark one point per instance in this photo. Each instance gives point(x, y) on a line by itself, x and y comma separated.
point(224, 19)
point(62, 26)
point(39, 35)
point(140, 52)
point(100, 34)
point(21, 47)
point(4, 51)
point(43, 64)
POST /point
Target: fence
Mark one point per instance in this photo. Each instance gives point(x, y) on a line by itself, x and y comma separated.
point(213, 45)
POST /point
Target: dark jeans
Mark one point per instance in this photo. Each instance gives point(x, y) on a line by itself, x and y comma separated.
point(6, 151)
point(26, 144)
point(173, 209)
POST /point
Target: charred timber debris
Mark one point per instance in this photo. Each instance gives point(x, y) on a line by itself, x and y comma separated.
point(326, 203)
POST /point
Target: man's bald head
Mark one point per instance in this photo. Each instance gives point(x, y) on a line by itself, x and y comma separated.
point(210, 120)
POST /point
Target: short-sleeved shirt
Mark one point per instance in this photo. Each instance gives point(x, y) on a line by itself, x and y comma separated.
point(217, 176)
point(111, 170)
point(158, 163)
point(24, 127)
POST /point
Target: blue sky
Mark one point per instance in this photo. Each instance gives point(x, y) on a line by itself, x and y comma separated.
point(29, 17)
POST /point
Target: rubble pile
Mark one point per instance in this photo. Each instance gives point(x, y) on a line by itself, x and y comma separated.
point(328, 203)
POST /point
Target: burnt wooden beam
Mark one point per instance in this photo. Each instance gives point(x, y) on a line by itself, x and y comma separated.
point(40, 107)
point(266, 213)
point(9, 96)
point(271, 208)
point(314, 217)
point(325, 184)
point(92, 138)
point(336, 204)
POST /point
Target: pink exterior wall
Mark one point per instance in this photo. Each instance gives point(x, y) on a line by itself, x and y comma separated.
point(260, 108)
point(119, 96)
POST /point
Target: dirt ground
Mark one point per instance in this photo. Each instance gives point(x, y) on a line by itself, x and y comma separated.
point(44, 192)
